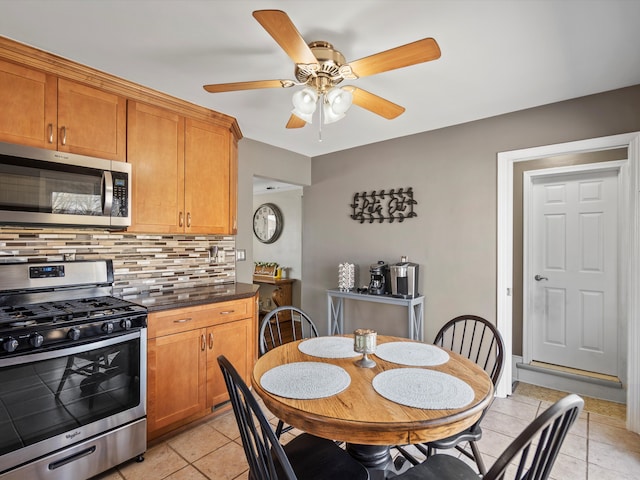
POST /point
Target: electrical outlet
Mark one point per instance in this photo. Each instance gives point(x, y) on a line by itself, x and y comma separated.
point(241, 255)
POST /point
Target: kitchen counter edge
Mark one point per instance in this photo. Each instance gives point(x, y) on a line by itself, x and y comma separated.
point(196, 296)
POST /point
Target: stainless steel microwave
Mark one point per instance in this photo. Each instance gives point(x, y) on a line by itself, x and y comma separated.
point(47, 187)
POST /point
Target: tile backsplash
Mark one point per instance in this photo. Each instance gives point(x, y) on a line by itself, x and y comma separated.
point(143, 263)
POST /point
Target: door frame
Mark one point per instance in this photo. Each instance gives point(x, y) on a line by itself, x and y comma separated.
point(618, 166)
point(504, 253)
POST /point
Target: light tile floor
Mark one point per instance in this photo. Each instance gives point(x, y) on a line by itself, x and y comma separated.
point(597, 448)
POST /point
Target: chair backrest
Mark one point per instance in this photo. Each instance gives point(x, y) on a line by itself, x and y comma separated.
point(477, 339)
point(284, 324)
point(538, 445)
point(266, 457)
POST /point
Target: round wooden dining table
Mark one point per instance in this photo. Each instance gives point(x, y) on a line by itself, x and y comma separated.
point(368, 422)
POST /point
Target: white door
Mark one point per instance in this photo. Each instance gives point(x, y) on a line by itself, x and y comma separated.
point(573, 301)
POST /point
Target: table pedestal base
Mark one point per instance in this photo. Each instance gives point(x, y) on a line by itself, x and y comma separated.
point(376, 458)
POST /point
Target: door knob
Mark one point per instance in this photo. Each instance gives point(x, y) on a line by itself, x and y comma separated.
point(539, 277)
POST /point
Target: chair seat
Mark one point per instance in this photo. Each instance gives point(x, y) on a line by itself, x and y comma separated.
point(328, 460)
point(440, 467)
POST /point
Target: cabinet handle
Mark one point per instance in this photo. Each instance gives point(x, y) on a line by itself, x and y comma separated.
point(64, 135)
point(227, 312)
point(188, 219)
point(180, 220)
point(203, 343)
point(210, 341)
point(51, 133)
point(183, 320)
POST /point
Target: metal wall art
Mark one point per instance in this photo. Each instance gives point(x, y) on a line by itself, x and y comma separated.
point(392, 205)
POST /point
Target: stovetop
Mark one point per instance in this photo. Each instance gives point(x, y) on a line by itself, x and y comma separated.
point(55, 305)
point(49, 313)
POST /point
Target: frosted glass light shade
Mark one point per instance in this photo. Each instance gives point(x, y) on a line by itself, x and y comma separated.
point(329, 115)
point(304, 103)
point(339, 100)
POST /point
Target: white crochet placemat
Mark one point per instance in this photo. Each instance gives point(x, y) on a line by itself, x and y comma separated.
point(305, 380)
point(420, 388)
point(412, 353)
point(329, 347)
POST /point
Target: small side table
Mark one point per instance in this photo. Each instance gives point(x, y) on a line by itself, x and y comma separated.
point(282, 294)
point(335, 310)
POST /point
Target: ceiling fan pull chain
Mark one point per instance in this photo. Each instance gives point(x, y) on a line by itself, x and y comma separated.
point(321, 101)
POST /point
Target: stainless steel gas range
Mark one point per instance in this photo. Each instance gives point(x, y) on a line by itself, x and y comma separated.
point(72, 372)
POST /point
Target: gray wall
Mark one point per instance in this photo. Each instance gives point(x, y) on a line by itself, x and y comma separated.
point(453, 174)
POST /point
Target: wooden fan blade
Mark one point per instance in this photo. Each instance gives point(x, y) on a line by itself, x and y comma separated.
point(232, 87)
point(281, 28)
point(374, 103)
point(420, 51)
point(295, 122)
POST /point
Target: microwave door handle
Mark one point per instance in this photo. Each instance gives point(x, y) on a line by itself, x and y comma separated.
point(107, 193)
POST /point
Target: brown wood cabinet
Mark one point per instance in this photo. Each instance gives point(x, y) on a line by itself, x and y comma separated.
point(42, 110)
point(155, 150)
point(183, 377)
point(184, 173)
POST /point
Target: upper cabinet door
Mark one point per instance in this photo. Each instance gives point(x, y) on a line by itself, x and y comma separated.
point(91, 122)
point(207, 178)
point(27, 106)
point(156, 155)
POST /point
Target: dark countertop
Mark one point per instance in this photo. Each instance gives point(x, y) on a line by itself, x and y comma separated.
point(190, 297)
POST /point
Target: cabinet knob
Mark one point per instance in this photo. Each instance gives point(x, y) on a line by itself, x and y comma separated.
point(64, 135)
point(203, 343)
point(180, 220)
point(188, 219)
point(51, 133)
point(210, 341)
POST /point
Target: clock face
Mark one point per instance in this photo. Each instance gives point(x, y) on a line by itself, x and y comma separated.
point(267, 223)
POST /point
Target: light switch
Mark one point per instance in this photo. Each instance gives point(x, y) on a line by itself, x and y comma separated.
point(241, 255)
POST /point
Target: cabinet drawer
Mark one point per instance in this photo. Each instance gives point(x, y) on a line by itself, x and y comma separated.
point(183, 319)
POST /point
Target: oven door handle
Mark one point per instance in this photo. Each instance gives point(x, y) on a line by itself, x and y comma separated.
point(72, 350)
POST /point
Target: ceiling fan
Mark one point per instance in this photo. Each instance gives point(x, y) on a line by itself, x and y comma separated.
point(321, 68)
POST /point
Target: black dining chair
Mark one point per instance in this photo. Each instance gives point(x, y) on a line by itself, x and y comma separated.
point(284, 324)
point(281, 325)
point(305, 457)
point(531, 455)
point(478, 340)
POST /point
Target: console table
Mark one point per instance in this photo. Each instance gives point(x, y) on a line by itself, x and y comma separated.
point(335, 310)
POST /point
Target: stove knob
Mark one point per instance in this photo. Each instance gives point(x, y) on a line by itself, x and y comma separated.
point(125, 324)
point(10, 344)
point(107, 327)
point(73, 334)
point(35, 340)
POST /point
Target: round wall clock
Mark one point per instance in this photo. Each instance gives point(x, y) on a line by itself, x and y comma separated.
point(267, 223)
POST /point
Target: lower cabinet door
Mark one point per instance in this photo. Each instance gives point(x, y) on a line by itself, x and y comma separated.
point(177, 377)
point(233, 341)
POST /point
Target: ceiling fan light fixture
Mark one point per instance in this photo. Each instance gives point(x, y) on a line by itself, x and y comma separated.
point(329, 115)
point(304, 103)
point(339, 100)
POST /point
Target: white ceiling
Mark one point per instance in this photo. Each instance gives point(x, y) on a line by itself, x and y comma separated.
point(498, 56)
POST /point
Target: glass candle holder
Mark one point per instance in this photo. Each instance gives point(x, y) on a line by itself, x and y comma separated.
point(364, 342)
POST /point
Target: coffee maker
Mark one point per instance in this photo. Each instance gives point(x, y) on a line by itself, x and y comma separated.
point(380, 280)
point(404, 279)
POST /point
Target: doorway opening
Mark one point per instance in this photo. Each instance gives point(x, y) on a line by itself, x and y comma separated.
point(505, 287)
point(286, 250)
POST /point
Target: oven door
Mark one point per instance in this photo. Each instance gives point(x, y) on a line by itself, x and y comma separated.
point(51, 400)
